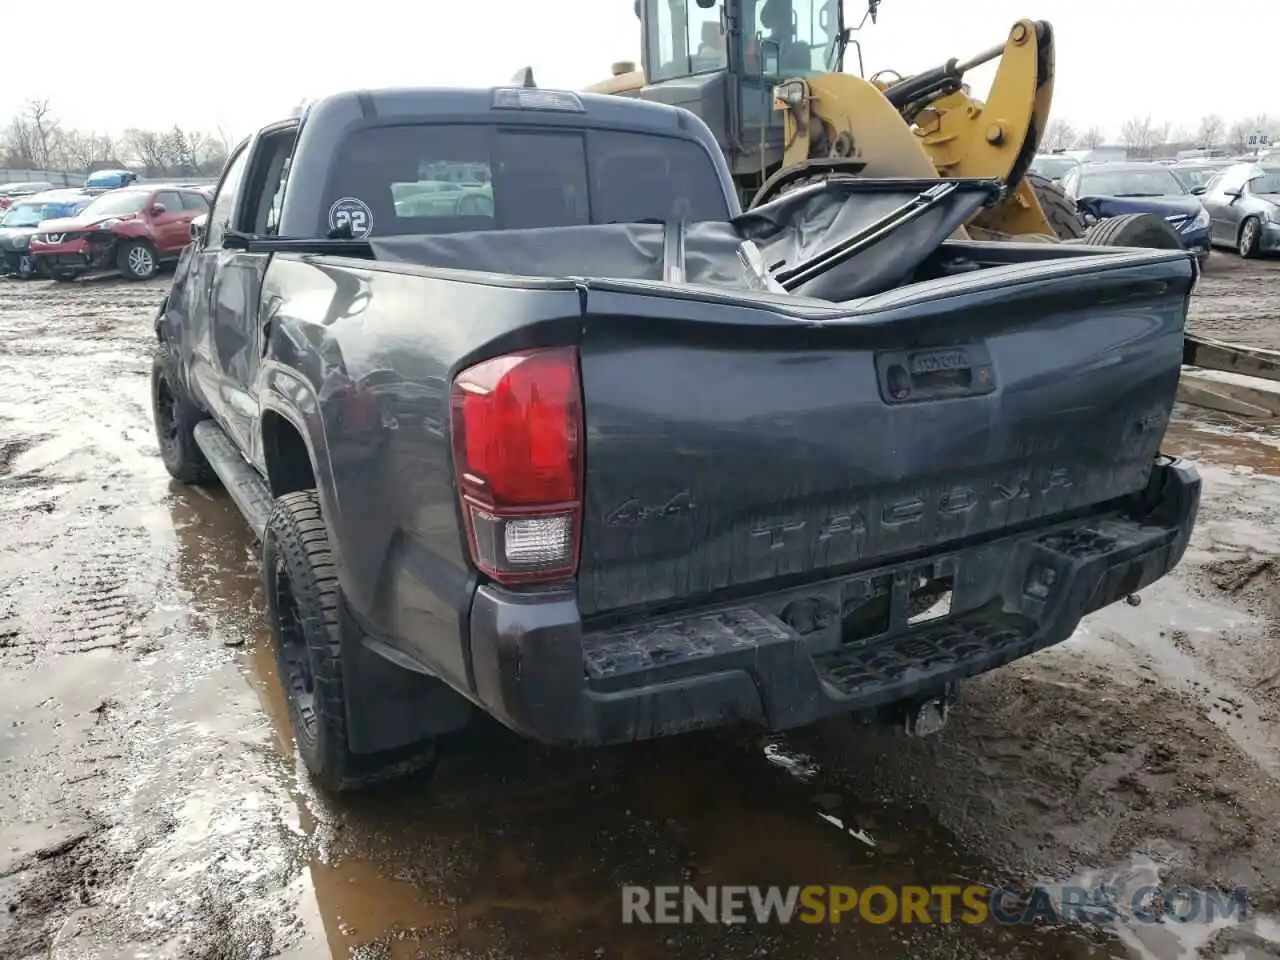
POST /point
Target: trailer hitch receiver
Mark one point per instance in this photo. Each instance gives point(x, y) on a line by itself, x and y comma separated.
point(924, 718)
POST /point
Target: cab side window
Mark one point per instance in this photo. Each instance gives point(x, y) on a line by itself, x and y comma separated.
point(277, 200)
point(224, 202)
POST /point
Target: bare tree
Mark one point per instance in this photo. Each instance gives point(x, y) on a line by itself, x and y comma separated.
point(148, 149)
point(1091, 139)
point(18, 151)
point(224, 138)
point(211, 157)
point(34, 139)
point(1210, 131)
point(44, 131)
point(1264, 124)
point(1058, 135)
point(1238, 134)
point(1140, 136)
point(86, 151)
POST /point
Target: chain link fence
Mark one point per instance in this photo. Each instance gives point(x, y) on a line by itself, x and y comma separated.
point(70, 178)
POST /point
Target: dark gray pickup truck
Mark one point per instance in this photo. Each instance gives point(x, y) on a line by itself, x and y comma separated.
point(531, 417)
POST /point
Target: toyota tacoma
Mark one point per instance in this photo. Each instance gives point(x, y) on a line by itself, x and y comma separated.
point(608, 458)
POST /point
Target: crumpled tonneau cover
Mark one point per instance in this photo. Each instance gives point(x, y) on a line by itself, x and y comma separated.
point(748, 253)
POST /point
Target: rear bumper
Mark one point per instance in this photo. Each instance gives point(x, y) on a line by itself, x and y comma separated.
point(538, 672)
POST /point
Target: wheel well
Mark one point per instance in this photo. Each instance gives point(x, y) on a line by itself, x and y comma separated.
point(288, 462)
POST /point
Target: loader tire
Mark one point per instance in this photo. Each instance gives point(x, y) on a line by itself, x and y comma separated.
point(1059, 209)
point(1134, 230)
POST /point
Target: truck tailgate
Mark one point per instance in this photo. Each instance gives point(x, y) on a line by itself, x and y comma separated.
point(732, 448)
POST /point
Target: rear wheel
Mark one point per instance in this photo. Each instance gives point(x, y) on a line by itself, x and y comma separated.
point(137, 260)
point(1250, 232)
point(1134, 230)
point(1059, 209)
point(308, 630)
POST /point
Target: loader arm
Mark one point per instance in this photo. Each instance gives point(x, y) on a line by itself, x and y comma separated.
point(947, 131)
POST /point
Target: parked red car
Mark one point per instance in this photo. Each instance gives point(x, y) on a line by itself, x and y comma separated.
point(132, 230)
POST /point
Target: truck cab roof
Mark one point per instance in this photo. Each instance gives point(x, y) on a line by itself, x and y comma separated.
point(543, 104)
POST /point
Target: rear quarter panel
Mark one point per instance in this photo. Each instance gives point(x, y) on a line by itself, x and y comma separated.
point(361, 358)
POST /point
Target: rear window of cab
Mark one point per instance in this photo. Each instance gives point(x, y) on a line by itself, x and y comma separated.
point(446, 178)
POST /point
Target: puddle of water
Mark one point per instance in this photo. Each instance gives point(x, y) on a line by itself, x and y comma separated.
point(1156, 921)
point(1255, 448)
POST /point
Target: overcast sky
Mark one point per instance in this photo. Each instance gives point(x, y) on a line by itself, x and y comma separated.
point(1116, 58)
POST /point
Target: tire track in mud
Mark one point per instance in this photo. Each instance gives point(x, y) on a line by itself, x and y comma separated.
point(144, 800)
point(74, 576)
point(1235, 301)
point(70, 577)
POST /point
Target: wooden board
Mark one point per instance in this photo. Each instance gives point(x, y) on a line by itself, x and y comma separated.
point(1231, 357)
point(1202, 393)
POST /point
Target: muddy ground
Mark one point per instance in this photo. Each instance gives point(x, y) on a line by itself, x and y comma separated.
point(151, 805)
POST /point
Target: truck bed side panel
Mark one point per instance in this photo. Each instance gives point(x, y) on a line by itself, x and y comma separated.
point(727, 455)
point(364, 357)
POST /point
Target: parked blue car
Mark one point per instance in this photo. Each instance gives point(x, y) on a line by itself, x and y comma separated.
point(23, 219)
point(1103, 190)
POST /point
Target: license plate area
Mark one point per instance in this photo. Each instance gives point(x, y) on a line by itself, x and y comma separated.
point(887, 603)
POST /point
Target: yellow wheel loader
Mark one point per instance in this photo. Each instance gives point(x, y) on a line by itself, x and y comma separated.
point(767, 78)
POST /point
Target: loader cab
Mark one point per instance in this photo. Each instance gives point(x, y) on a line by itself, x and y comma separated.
point(721, 59)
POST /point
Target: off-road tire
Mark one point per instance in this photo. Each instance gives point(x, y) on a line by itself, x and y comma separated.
point(1250, 235)
point(175, 419)
point(1134, 230)
point(1058, 208)
point(137, 260)
point(305, 609)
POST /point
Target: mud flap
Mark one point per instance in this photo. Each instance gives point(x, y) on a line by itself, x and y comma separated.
point(389, 706)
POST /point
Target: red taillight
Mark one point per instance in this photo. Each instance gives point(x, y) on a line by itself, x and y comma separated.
point(517, 456)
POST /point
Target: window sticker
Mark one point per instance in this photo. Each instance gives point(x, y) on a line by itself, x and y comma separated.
point(351, 213)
